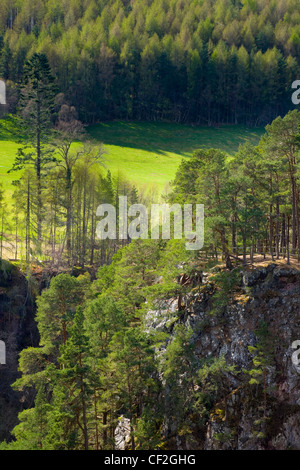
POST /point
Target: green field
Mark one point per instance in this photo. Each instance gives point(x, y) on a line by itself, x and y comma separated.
point(8, 152)
point(151, 152)
point(146, 153)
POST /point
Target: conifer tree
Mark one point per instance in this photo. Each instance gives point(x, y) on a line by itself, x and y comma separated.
point(36, 107)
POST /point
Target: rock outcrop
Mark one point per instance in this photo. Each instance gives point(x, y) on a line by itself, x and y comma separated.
point(257, 416)
point(17, 330)
point(122, 434)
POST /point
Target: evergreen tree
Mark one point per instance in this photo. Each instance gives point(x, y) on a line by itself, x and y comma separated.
point(36, 106)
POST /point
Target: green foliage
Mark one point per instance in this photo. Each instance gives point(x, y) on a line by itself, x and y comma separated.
point(224, 437)
point(6, 268)
point(226, 284)
point(57, 307)
point(248, 197)
point(31, 432)
point(188, 61)
point(96, 361)
point(180, 367)
point(158, 60)
point(263, 355)
point(214, 380)
point(263, 361)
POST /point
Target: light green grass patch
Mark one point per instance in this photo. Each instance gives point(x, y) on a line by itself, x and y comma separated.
point(8, 152)
point(145, 153)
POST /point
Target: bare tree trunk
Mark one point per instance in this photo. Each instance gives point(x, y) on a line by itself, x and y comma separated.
point(277, 227)
point(287, 237)
point(27, 242)
point(271, 232)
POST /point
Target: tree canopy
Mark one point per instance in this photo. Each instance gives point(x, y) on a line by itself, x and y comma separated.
point(188, 60)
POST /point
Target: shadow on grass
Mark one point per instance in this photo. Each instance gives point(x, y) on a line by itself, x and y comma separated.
point(163, 138)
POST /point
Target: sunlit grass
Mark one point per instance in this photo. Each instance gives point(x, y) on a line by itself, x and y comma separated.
point(145, 153)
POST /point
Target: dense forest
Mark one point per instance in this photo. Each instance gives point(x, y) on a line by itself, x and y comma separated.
point(251, 198)
point(98, 360)
point(117, 336)
point(198, 61)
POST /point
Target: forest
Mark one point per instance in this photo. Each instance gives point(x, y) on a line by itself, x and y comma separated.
point(207, 62)
point(106, 345)
point(96, 360)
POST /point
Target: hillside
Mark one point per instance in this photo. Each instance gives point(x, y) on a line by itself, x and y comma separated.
point(149, 227)
point(220, 377)
point(222, 61)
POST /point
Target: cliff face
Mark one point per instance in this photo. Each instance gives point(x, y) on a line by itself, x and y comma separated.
point(265, 415)
point(17, 330)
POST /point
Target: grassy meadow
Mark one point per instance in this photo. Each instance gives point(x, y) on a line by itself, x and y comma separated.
point(147, 154)
point(150, 153)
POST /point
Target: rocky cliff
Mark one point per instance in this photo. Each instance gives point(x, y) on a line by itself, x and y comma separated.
point(17, 331)
point(261, 409)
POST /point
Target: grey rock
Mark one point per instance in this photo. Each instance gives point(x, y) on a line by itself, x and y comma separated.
point(273, 298)
point(122, 434)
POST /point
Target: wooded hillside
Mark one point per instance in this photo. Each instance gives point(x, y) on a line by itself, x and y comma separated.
point(186, 61)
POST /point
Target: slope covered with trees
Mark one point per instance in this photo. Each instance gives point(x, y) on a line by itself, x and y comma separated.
point(176, 359)
point(118, 331)
point(186, 61)
point(251, 199)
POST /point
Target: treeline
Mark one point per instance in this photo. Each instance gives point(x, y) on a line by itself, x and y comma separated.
point(67, 236)
point(193, 61)
point(252, 199)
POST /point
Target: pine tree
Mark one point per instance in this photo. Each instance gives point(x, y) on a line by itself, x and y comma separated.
point(56, 309)
point(74, 375)
point(36, 107)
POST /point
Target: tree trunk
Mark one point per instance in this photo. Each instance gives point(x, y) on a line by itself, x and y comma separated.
point(244, 248)
point(69, 213)
point(287, 237)
point(84, 420)
point(104, 421)
point(271, 232)
point(38, 173)
point(277, 227)
point(225, 249)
